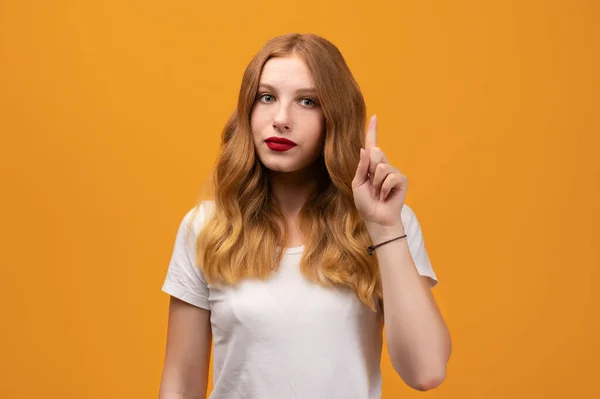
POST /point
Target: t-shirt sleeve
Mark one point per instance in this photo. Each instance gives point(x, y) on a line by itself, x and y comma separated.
point(416, 244)
point(184, 279)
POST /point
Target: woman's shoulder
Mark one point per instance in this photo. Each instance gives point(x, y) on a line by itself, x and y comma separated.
point(407, 214)
point(199, 215)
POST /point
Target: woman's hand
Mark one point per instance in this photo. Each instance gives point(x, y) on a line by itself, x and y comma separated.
point(379, 189)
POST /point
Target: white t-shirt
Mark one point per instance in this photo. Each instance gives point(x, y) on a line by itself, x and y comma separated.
point(287, 337)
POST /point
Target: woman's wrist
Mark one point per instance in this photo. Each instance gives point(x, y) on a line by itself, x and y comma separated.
point(380, 233)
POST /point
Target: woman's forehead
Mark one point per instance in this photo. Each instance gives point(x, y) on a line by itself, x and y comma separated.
point(289, 73)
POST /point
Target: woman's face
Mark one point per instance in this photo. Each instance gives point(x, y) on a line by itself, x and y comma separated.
point(286, 107)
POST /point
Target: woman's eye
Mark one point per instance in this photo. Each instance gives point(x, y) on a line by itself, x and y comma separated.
point(308, 102)
point(266, 97)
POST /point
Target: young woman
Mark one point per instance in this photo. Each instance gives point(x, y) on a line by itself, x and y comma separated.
point(306, 251)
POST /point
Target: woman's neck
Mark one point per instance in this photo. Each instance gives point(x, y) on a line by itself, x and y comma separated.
point(291, 190)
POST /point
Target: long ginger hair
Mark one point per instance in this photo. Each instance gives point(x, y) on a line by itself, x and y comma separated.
point(240, 239)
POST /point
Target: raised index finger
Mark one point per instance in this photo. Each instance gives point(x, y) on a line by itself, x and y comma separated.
point(371, 139)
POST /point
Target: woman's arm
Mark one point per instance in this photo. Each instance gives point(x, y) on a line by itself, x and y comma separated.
point(417, 337)
point(189, 338)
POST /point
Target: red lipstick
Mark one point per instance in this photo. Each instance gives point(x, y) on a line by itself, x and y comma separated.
point(279, 143)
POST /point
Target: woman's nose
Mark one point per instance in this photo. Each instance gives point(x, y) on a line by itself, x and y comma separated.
point(281, 121)
point(281, 126)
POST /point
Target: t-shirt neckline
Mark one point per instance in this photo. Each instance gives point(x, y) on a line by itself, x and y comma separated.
point(292, 250)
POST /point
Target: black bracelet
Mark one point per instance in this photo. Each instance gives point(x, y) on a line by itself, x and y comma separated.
point(372, 247)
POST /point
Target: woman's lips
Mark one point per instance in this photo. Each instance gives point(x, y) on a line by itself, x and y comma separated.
point(279, 143)
point(279, 146)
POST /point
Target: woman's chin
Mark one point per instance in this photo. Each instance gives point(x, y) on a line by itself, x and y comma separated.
point(287, 165)
point(284, 167)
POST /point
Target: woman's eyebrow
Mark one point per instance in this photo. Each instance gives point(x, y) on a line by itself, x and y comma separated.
point(311, 90)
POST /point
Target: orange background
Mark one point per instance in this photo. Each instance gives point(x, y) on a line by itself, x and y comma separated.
point(111, 112)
